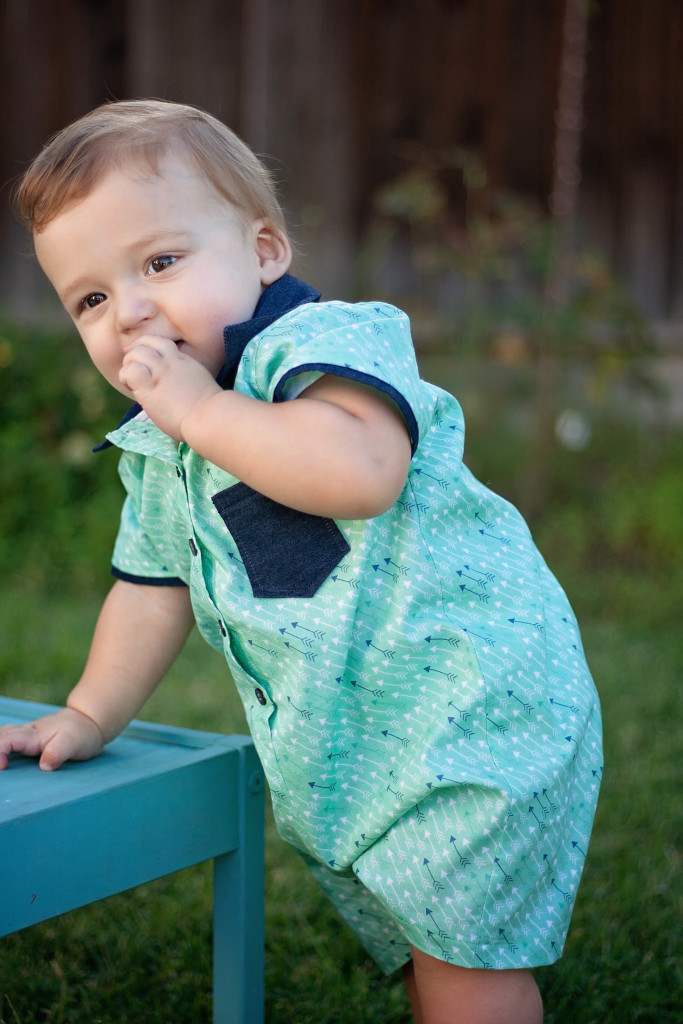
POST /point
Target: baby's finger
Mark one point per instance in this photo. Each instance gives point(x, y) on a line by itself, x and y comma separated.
point(74, 744)
point(56, 752)
point(145, 361)
point(19, 739)
point(151, 343)
point(135, 375)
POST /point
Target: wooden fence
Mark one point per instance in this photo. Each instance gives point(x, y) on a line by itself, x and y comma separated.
point(334, 90)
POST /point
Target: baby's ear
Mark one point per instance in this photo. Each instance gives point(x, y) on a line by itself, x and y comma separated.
point(273, 250)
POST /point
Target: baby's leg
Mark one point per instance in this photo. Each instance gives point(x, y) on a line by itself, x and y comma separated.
point(442, 993)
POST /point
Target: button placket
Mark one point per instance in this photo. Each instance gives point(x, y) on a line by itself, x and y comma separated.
point(206, 612)
point(181, 473)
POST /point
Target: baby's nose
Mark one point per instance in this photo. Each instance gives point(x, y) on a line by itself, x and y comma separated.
point(134, 309)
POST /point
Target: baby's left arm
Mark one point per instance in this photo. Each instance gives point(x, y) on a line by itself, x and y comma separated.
point(341, 449)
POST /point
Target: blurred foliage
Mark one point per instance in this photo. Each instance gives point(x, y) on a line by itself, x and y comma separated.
point(59, 501)
point(490, 278)
point(479, 269)
point(610, 523)
point(614, 503)
point(524, 321)
point(611, 488)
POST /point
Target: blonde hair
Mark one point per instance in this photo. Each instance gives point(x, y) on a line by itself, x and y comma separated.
point(142, 131)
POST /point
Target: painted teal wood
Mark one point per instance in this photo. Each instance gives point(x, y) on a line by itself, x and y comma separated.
point(157, 800)
point(238, 903)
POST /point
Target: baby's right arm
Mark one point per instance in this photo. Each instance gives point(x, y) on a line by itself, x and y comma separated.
point(139, 632)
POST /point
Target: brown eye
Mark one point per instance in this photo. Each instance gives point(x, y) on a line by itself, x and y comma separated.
point(93, 300)
point(160, 263)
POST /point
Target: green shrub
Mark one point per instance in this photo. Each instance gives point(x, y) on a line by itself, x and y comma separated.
point(614, 506)
point(59, 500)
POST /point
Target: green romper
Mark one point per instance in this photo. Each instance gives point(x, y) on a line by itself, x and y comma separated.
point(415, 683)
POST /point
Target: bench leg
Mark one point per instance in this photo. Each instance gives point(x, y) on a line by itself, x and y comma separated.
point(238, 896)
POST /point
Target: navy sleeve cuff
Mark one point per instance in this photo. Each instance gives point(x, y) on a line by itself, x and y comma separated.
point(362, 378)
point(149, 581)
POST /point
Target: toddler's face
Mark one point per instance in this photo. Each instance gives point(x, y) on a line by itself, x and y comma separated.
point(162, 255)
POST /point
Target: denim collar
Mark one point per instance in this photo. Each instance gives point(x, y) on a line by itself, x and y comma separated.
point(279, 298)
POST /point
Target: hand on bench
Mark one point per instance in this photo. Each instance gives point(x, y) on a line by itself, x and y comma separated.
point(68, 735)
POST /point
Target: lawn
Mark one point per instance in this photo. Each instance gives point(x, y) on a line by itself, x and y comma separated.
point(611, 530)
point(145, 956)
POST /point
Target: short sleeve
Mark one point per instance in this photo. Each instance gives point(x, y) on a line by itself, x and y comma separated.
point(366, 342)
point(136, 558)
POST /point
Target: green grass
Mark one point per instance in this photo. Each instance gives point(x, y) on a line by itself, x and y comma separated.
point(145, 956)
point(612, 530)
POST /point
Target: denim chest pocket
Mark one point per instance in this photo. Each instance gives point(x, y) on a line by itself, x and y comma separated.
point(285, 553)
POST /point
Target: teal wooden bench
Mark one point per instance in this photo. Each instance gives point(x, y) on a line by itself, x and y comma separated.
point(157, 800)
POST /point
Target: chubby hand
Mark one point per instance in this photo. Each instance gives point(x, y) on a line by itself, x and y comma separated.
point(68, 735)
point(166, 382)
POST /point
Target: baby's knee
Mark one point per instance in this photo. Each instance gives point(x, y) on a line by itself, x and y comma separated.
point(449, 994)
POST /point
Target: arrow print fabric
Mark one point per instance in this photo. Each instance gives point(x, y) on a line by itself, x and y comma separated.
point(415, 684)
